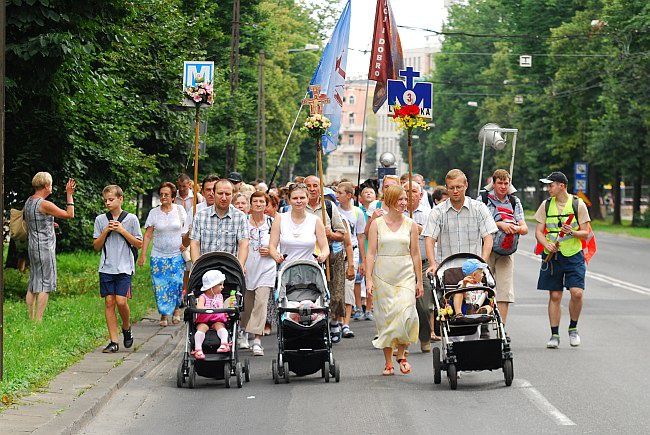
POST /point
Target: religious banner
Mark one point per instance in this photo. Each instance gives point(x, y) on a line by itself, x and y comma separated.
point(410, 93)
point(330, 75)
point(386, 56)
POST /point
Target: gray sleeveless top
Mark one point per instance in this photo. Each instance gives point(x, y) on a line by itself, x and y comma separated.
point(42, 245)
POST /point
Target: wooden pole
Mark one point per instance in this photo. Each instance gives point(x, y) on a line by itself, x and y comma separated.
point(196, 158)
point(2, 175)
point(410, 193)
point(322, 198)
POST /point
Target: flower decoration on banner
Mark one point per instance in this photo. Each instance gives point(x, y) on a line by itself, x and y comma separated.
point(316, 126)
point(201, 92)
point(408, 117)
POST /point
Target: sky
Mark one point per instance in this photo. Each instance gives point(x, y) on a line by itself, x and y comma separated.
point(416, 13)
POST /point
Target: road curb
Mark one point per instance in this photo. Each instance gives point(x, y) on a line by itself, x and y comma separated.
point(77, 403)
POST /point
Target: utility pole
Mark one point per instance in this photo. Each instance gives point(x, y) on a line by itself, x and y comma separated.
point(261, 122)
point(2, 176)
point(231, 155)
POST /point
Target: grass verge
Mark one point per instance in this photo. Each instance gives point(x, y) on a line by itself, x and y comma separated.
point(74, 323)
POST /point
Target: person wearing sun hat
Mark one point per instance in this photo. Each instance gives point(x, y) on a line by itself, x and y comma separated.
point(474, 271)
point(211, 297)
point(559, 231)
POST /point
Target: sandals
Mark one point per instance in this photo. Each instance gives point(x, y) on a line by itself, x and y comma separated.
point(163, 321)
point(434, 337)
point(389, 370)
point(404, 366)
point(176, 320)
point(224, 348)
point(198, 354)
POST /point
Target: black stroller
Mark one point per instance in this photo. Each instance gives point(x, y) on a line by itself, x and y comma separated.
point(462, 349)
point(304, 344)
point(215, 365)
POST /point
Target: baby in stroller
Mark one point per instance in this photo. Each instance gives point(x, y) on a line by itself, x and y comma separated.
point(474, 299)
point(211, 298)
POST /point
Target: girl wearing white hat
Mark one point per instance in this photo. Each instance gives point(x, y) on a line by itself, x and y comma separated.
point(211, 298)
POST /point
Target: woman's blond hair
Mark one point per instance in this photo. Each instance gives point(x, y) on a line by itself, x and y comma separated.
point(41, 179)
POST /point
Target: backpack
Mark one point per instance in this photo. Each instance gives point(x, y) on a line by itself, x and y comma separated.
point(17, 225)
point(503, 244)
point(120, 218)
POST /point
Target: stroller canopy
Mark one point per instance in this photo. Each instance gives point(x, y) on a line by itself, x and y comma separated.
point(302, 272)
point(225, 262)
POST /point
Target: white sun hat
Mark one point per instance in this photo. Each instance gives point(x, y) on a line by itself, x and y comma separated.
point(212, 278)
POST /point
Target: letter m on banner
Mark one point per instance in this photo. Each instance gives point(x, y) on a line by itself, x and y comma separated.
point(407, 93)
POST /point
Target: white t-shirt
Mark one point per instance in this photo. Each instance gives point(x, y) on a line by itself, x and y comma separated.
point(373, 206)
point(357, 221)
point(116, 255)
point(260, 271)
point(297, 241)
point(167, 231)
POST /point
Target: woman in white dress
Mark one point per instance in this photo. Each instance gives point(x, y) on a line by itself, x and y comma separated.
point(260, 271)
point(394, 279)
point(295, 234)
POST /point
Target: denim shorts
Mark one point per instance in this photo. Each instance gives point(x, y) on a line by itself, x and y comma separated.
point(115, 284)
point(562, 272)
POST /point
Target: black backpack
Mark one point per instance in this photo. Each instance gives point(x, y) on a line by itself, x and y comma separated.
point(504, 244)
point(120, 218)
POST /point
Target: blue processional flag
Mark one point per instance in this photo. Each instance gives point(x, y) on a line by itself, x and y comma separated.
point(330, 75)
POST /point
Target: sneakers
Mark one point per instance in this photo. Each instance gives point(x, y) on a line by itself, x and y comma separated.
point(357, 315)
point(574, 338)
point(335, 331)
point(258, 350)
point(128, 337)
point(554, 342)
point(111, 348)
point(369, 316)
point(243, 341)
point(347, 332)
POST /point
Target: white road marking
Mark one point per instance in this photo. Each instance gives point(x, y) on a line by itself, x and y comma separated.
point(603, 278)
point(542, 403)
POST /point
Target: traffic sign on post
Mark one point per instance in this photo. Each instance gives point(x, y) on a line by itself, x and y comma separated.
point(581, 171)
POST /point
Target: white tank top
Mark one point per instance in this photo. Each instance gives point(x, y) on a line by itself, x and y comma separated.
point(298, 241)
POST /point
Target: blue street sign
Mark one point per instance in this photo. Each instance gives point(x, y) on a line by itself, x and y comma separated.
point(407, 93)
point(581, 172)
point(193, 68)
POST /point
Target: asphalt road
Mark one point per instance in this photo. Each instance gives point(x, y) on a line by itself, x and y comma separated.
point(600, 387)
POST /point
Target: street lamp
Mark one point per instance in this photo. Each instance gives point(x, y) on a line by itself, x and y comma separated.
point(308, 47)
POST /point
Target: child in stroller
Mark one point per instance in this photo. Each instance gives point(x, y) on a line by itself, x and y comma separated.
point(211, 298)
point(474, 299)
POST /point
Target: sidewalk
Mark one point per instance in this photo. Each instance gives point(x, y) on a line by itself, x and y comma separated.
point(76, 395)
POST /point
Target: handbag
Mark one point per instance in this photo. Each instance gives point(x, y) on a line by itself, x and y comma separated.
point(17, 225)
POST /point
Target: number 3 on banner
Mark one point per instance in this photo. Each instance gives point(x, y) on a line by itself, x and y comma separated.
point(409, 97)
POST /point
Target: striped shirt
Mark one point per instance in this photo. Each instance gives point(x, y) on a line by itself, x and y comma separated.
point(459, 231)
point(219, 233)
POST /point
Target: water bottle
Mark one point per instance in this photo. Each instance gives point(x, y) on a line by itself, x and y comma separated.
point(232, 298)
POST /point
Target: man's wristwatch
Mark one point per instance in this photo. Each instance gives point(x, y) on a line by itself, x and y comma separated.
point(570, 233)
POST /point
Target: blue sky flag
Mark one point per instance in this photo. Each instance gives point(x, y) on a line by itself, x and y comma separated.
point(330, 75)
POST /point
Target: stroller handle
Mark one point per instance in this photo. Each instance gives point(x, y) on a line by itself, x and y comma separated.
point(303, 310)
point(211, 310)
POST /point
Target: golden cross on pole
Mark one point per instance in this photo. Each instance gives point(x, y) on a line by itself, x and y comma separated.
point(316, 101)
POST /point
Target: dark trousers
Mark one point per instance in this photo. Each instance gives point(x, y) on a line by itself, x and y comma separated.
point(423, 306)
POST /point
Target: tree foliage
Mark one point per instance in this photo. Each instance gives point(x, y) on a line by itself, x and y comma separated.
point(585, 96)
point(93, 90)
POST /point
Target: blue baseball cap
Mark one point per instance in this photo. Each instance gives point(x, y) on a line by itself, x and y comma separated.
point(472, 265)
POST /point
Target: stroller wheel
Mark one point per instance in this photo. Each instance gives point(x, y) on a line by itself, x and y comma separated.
point(226, 373)
point(191, 376)
point(508, 372)
point(285, 369)
point(180, 377)
point(239, 373)
point(274, 371)
point(337, 373)
point(437, 366)
point(326, 371)
point(247, 370)
point(452, 375)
